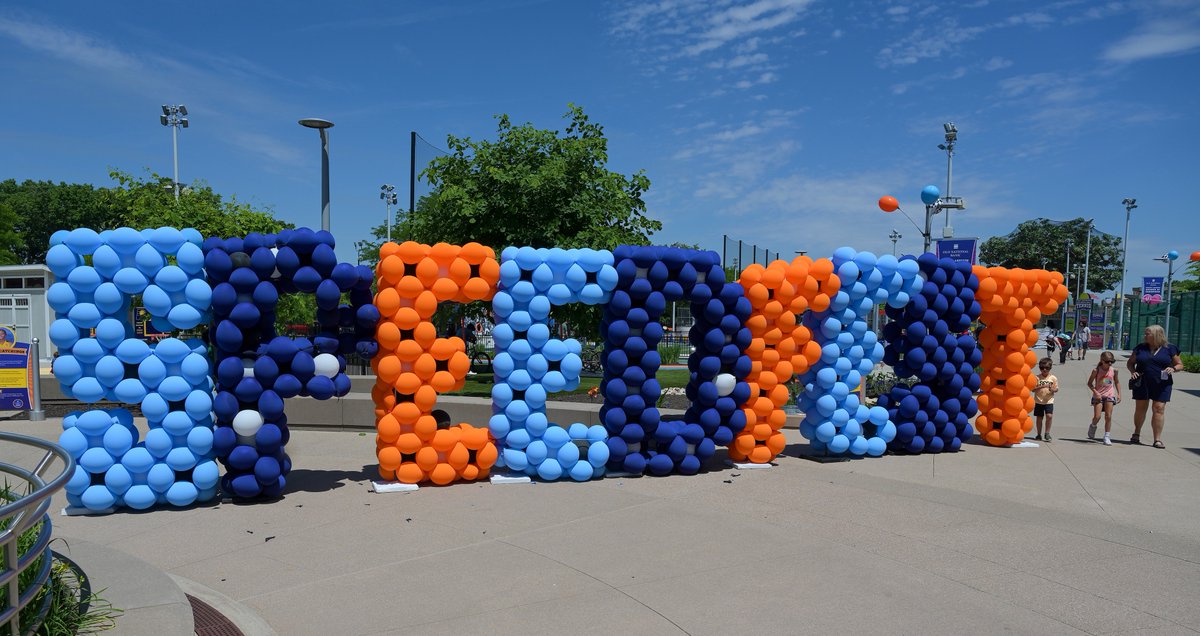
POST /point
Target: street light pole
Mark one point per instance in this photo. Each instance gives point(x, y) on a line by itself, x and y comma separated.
point(951, 138)
point(1129, 204)
point(388, 194)
point(895, 236)
point(173, 117)
point(322, 126)
point(1067, 273)
point(1087, 254)
point(1169, 259)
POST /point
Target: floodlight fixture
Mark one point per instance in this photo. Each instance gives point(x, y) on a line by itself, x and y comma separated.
point(322, 126)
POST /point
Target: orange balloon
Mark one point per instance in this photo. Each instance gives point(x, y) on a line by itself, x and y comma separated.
point(1195, 256)
point(888, 204)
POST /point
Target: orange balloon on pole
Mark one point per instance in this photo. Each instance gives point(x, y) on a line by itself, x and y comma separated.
point(888, 204)
point(1196, 256)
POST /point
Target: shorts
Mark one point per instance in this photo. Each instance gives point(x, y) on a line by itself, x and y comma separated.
point(1096, 401)
point(1155, 390)
point(1043, 409)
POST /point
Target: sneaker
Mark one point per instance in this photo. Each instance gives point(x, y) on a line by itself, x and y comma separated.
point(1037, 438)
point(1046, 437)
point(1107, 442)
point(1092, 431)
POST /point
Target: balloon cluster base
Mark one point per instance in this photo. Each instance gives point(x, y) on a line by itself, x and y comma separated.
point(82, 511)
point(511, 479)
point(380, 486)
point(747, 465)
point(622, 473)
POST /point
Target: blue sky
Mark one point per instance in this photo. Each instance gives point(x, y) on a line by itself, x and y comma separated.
point(779, 122)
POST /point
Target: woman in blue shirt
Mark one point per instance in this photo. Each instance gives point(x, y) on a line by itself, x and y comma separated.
point(1151, 366)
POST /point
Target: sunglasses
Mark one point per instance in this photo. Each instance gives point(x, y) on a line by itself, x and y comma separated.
point(1106, 363)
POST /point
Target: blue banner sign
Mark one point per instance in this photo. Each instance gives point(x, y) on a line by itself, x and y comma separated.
point(1152, 290)
point(959, 250)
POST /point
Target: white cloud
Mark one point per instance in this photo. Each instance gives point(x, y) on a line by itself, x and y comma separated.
point(1155, 39)
point(997, 63)
point(229, 83)
point(765, 78)
point(740, 60)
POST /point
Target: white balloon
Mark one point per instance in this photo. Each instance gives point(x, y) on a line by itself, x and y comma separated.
point(247, 369)
point(326, 365)
point(725, 384)
point(247, 423)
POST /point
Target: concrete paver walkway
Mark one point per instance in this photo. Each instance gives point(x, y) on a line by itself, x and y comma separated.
point(1070, 537)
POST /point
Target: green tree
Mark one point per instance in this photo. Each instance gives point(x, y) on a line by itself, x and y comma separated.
point(531, 186)
point(1043, 243)
point(44, 207)
point(150, 202)
point(1189, 278)
point(10, 239)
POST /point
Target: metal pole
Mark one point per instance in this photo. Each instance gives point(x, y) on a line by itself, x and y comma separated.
point(388, 204)
point(949, 176)
point(724, 240)
point(1067, 282)
point(1124, 266)
point(324, 180)
point(36, 414)
point(1087, 255)
point(412, 171)
point(739, 255)
point(175, 156)
point(1167, 320)
point(928, 225)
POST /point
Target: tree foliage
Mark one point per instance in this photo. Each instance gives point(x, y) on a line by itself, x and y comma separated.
point(44, 207)
point(531, 186)
point(10, 239)
point(1042, 241)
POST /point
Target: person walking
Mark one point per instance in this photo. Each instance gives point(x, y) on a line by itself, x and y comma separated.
point(1151, 367)
point(1064, 346)
point(1083, 339)
point(1043, 397)
point(1106, 393)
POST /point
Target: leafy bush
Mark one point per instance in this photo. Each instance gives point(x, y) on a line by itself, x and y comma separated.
point(1191, 363)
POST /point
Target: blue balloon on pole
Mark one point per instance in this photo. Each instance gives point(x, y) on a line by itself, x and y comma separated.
point(930, 194)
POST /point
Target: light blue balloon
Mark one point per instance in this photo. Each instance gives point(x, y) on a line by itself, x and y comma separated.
point(83, 240)
point(177, 423)
point(876, 446)
point(84, 279)
point(198, 293)
point(63, 334)
point(155, 407)
point(536, 425)
point(118, 440)
point(158, 442)
point(184, 316)
point(98, 497)
point(193, 236)
point(88, 390)
point(825, 431)
point(930, 194)
point(171, 279)
point(160, 477)
point(180, 459)
point(61, 260)
point(152, 371)
point(166, 240)
point(133, 350)
point(598, 453)
point(110, 300)
point(139, 497)
point(581, 471)
point(96, 460)
point(1172, 255)
point(85, 315)
point(138, 462)
point(174, 388)
point(515, 459)
point(106, 261)
point(182, 493)
point(859, 446)
point(190, 259)
point(149, 260)
point(117, 479)
point(536, 452)
point(498, 426)
point(157, 301)
point(130, 390)
point(74, 441)
point(109, 371)
point(839, 444)
point(130, 280)
point(126, 241)
point(206, 474)
point(549, 470)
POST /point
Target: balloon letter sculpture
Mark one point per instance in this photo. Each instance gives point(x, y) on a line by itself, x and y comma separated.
point(530, 363)
point(647, 279)
point(780, 347)
point(101, 360)
point(257, 369)
point(1012, 302)
point(414, 441)
point(835, 420)
point(929, 339)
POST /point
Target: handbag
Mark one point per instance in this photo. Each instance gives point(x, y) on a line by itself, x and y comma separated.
point(1135, 383)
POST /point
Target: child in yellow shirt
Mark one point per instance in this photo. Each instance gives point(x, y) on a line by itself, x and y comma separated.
point(1043, 397)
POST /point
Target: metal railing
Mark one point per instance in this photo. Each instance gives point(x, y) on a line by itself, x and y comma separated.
point(17, 516)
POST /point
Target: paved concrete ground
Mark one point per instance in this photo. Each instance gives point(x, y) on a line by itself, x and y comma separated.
point(1070, 537)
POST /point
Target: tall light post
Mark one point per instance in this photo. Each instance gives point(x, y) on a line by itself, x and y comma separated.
point(173, 117)
point(322, 126)
point(1129, 204)
point(1087, 253)
point(951, 139)
point(388, 194)
point(1067, 282)
point(1169, 259)
point(895, 236)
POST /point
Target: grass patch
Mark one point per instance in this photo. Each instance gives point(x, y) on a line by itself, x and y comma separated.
point(480, 385)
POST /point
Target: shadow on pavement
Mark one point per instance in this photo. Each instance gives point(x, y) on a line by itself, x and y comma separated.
point(309, 480)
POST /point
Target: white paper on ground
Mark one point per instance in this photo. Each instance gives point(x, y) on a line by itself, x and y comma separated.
point(1025, 445)
point(511, 479)
point(392, 486)
point(747, 466)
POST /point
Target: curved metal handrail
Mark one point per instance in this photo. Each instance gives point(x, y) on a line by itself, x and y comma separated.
point(18, 516)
